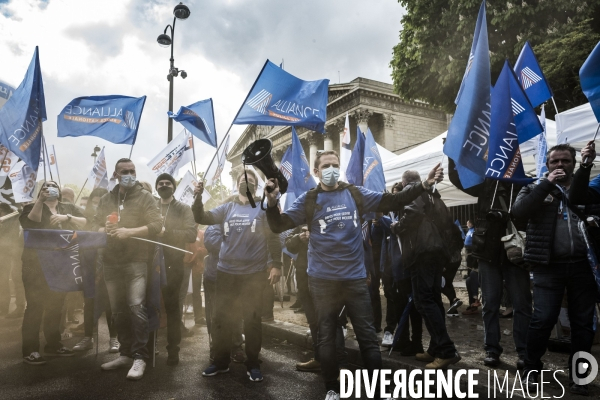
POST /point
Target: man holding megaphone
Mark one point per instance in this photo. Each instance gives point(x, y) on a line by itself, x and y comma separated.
point(337, 275)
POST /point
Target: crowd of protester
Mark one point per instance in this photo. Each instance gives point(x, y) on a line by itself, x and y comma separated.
point(412, 250)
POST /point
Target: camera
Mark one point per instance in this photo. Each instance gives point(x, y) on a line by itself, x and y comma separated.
point(497, 215)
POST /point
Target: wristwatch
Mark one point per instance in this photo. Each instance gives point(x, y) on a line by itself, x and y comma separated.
point(586, 165)
point(426, 185)
point(69, 216)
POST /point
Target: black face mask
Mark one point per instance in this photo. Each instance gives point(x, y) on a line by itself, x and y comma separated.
point(165, 192)
point(243, 187)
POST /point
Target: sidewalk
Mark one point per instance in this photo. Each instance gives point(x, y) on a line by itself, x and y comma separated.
point(465, 331)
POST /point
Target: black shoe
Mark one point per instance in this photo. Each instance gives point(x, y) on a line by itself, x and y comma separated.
point(491, 359)
point(521, 363)
point(452, 313)
point(581, 390)
point(454, 306)
point(173, 359)
point(296, 305)
point(300, 311)
point(532, 381)
point(34, 359)
point(200, 321)
point(412, 350)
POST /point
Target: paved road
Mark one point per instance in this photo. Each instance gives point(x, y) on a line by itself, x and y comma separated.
point(80, 377)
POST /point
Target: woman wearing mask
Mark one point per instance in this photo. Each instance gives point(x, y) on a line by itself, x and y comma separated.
point(88, 309)
point(47, 212)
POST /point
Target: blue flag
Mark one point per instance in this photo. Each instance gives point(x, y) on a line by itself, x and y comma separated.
point(354, 172)
point(198, 118)
point(286, 170)
point(67, 258)
point(157, 278)
point(589, 76)
point(527, 121)
point(113, 118)
point(302, 179)
point(373, 178)
point(457, 223)
point(504, 158)
point(279, 98)
point(531, 77)
point(22, 116)
point(467, 140)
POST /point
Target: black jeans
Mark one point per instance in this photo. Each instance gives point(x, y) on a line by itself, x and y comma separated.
point(329, 297)
point(268, 301)
point(246, 290)
point(172, 306)
point(549, 284)
point(449, 274)
point(197, 294)
point(210, 293)
point(415, 319)
point(41, 301)
point(394, 309)
point(376, 298)
point(88, 316)
point(426, 277)
point(472, 284)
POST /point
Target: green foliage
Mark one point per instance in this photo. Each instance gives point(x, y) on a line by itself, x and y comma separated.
point(429, 61)
point(218, 193)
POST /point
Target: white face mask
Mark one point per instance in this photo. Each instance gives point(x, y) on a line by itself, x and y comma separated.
point(330, 176)
point(128, 181)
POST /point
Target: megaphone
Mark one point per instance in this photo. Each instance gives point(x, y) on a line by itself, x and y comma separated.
point(258, 154)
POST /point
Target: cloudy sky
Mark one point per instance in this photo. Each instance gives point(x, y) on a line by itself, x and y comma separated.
point(93, 47)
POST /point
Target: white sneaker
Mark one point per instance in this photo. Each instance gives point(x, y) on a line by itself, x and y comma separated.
point(119, 362)
point(388, 339)
point(85, 344)
point(137, 369)
point(113, 345)
point(331, 395)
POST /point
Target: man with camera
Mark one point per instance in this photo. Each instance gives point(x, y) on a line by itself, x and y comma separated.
point(426, 232)
point(336, 262)
point(242, 272)
point(557, 250)
point(493, 202)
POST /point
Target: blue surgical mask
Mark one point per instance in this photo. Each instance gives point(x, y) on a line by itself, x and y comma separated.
point(330, 176)
point(128, 181)
point(53, 193)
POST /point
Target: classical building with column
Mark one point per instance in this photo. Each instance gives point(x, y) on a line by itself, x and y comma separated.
point(396, 124)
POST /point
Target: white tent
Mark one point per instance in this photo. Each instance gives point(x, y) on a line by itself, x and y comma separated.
point(424, 157)
point(576, 125)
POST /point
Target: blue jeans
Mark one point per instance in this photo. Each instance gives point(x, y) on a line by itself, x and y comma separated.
point(126, 285)
point(329, 298)
point(517, 284)
point(426, 278)
point(549, 284)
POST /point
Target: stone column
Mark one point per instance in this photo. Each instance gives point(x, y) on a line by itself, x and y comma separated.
point(362, 116)
point(328, 141)
point(277, 155)
point(388, 131)
point(312, 141)
point(340, 125)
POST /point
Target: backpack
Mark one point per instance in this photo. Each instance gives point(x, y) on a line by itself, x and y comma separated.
point(310, 202)
point(438, 213)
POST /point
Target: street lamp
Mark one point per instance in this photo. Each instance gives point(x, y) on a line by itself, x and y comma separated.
point(181, 11)
point(95, 153)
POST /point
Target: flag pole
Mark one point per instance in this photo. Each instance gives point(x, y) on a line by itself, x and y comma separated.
point(154, 349)
point(86, 179)
point(219, 148)
point(47, 159)
point(435, 184)
point(194, 155)
point(131, 151)
point(594, 139)
point(555, 108)
point(57, 170)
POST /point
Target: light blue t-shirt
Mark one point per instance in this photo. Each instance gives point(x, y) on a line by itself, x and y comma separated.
point(335, 248)
point(245, 231)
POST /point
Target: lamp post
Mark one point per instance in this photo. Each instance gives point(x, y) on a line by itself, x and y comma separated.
point(95, 153)
point(181, 11)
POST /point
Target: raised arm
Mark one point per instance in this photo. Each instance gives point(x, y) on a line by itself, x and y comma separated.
point(391, 202)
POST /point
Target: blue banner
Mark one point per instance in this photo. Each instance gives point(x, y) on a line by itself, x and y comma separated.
point(373, 178)
point(531, 77)
point(199, 119)
point(354, 172)
point(504, 158)
point(589, 76)
point(22, 116)
point(157, 279)
point(467, 140)
point(302, 180)
point(67, 258)
point(113, 118)
point(527, 121)
point(279, 98)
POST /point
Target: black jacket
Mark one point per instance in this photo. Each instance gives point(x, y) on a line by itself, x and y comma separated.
point(540, 204)
point(418, 235)
point(488, 233)
point(179, 230)
point(139, 209)
point(296, 246)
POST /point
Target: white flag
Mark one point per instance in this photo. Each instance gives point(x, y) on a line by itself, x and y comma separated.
point(345, 151)
point(99, 174)
point(215, 170)
point(185, 190)
point(23, 179)
point(52, 162)
point(10, 159)
point(176, 155)
point(542, 148)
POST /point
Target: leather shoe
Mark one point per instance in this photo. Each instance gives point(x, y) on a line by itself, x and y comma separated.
point(173, 359)
point(521, 363)
point(491, 359)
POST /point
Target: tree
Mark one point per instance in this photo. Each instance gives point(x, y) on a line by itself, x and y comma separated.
point(429, 61)
point(218, 192)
